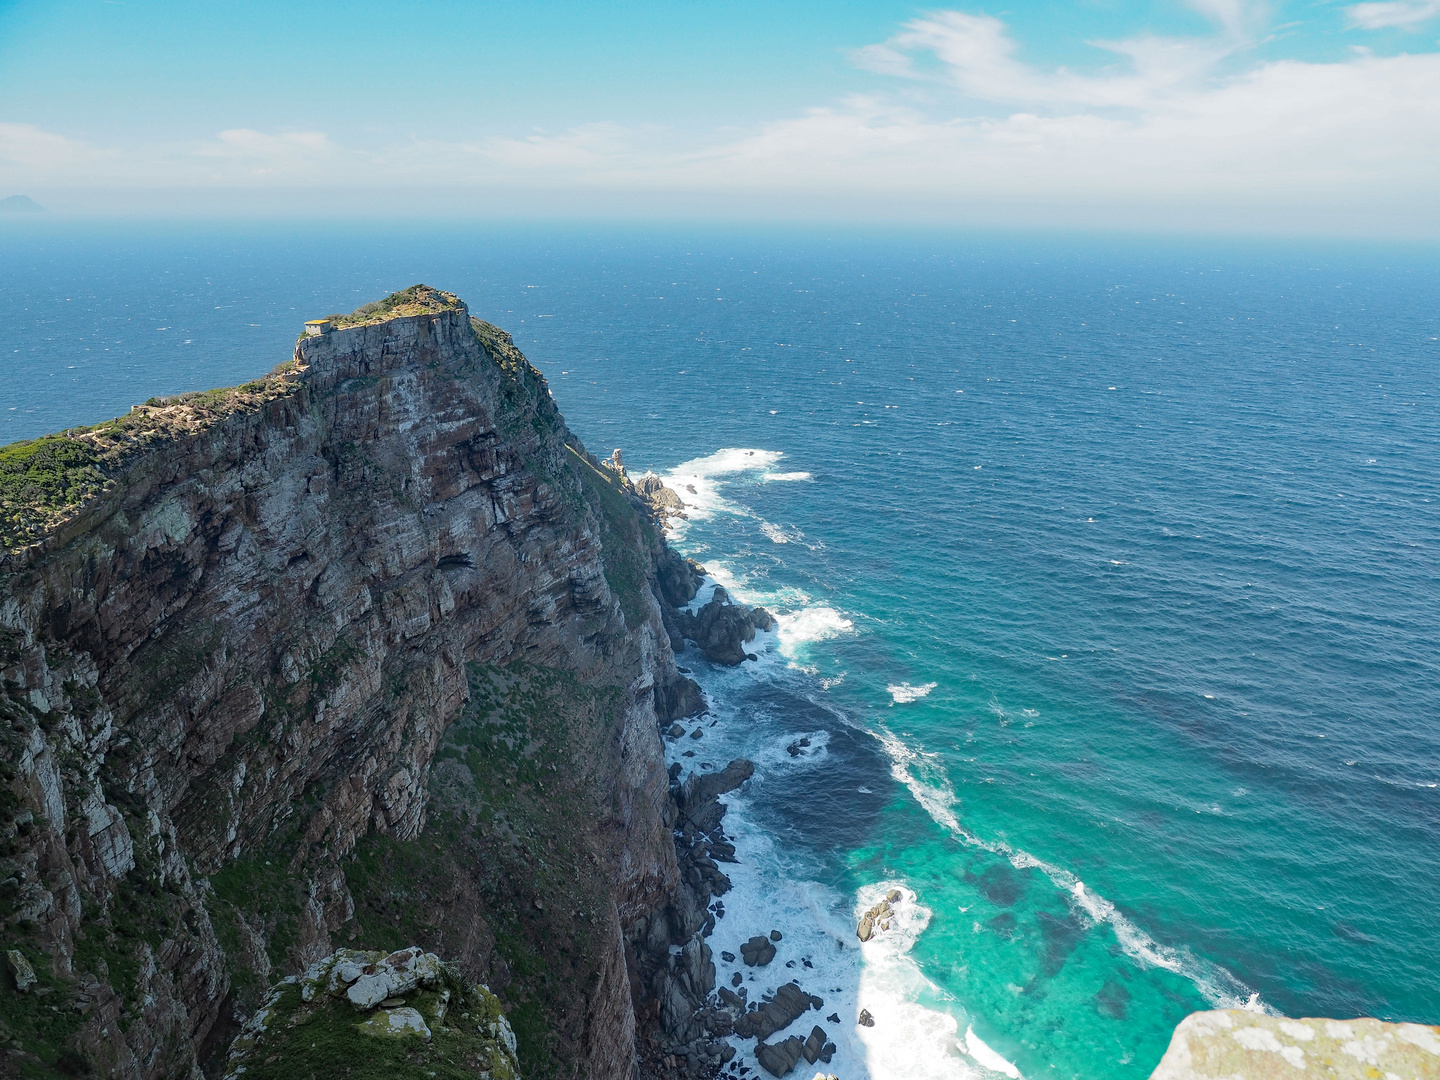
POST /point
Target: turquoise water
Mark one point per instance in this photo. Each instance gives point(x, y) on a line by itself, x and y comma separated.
point(1108, 579)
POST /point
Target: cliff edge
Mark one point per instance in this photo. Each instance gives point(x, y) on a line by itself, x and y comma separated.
point(366, 654)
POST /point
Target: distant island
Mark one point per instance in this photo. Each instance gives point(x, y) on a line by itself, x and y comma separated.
point(20, 204)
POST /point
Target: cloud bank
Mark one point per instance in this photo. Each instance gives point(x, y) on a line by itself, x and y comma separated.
point(958, 124)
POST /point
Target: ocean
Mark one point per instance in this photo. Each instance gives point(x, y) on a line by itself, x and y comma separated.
point(1107, 575)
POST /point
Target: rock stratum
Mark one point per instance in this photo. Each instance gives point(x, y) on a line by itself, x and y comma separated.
point(368, 654)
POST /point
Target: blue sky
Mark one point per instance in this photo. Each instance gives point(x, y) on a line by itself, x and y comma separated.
point(1231, 114)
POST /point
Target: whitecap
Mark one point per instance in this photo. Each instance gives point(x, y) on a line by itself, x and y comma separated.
point(773, 477)
point(810, 624)
point(977, 1049)
point(1217, 985)
point(904, 693)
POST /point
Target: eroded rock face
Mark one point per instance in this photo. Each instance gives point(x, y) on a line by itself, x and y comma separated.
point(1237, 1045)
point(241, 658)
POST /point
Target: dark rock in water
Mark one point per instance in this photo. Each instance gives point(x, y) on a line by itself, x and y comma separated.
point(893, 895)
point(722, 627)
point(794, 750)
point(780, 1059)
point(675, 731)
point(866, 1020)
point(730, 999)
point(833, 1018)
point(828, 1051)
point(698, 796)
point(814, 1044)
point(697, 733)
point(737, 978)
point(806, 961)
point(789, 1004)
point(729, 958)
point(758, 951)
point(775, 935)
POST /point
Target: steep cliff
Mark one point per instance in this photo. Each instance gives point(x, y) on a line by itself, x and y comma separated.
point(367, 653)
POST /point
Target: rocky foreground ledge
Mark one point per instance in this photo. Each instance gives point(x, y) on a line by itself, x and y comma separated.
point(372, 1016)
point(1233, 1044)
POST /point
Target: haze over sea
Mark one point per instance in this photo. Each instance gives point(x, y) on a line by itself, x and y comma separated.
point(1108, 578)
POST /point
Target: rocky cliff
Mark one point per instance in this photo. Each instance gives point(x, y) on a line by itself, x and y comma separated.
point(365, 654)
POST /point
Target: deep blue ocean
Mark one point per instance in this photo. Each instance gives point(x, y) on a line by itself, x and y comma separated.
point(1108, 577)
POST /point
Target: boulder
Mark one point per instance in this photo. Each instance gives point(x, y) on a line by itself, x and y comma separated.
point(814, 1044)
point(878, 917)
point(758, 951)
point(866, 1020)
point(780, 1059)
point(788, 1005)
point(20, 970)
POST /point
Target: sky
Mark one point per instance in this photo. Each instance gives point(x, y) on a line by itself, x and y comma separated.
point(1306, 116)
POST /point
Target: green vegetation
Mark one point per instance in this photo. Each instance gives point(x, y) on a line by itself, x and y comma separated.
point(621, 533)
point(42, 1021)
point(416, 300)
point(520, 792)
point(44, 481)
point(327, 1038)
point(49, 473)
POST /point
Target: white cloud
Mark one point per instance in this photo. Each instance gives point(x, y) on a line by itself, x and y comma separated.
point(32, 148)
point(1401, 13)
point(957, 126)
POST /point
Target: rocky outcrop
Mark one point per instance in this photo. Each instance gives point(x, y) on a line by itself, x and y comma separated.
point(369, 652)
point(664, 502)
point(878, 917)
point(366, 1014)
point(1237, 1045)
point(765, 1018)
point(722, 628)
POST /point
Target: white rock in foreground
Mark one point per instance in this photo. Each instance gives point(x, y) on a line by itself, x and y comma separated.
point(1233, 1044)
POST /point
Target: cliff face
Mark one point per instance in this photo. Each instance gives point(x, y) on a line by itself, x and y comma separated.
point(365, 654)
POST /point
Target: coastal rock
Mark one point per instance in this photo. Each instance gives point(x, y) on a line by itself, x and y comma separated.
point(780, 1059)
point(865, 1019)
point(1234, 1044)
point(758, 951)
point(662, 502)
point(788, 1005)
point(878, 917)
point(722, 628)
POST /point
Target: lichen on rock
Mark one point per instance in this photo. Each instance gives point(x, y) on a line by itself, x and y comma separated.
point(429, 1023)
